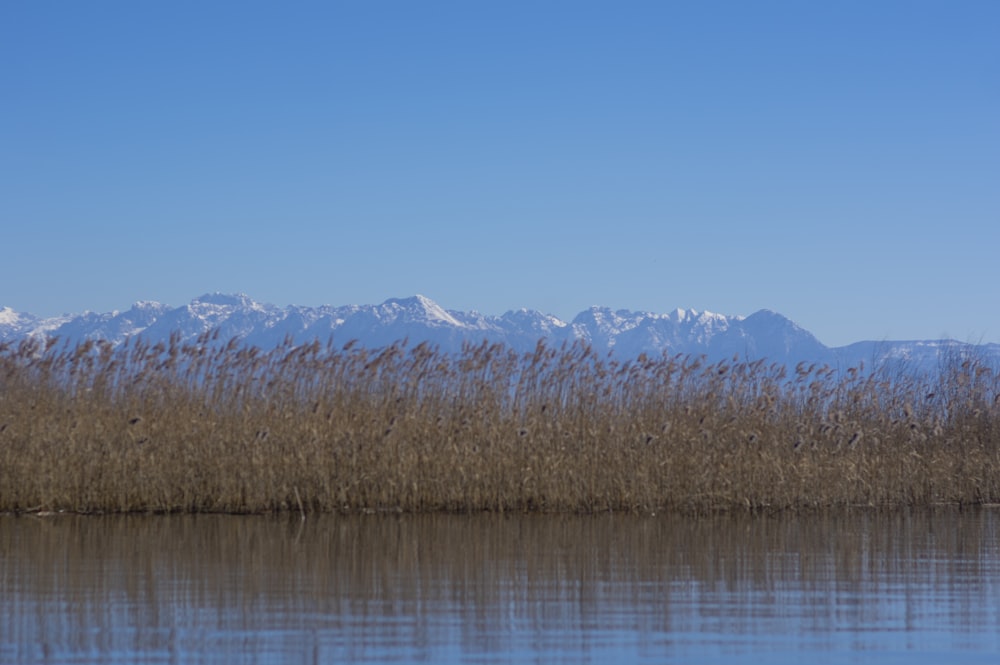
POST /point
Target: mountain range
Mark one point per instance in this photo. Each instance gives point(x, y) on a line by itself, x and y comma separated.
point(763, 334)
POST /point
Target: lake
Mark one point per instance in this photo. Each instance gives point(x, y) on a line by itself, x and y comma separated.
point(836, 587)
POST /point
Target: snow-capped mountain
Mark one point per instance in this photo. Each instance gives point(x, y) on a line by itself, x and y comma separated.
point(762, 335)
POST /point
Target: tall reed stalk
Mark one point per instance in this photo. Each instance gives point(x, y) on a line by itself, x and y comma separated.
point(221, 427)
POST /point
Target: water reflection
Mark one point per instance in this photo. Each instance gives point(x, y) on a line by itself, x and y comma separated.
point(844, 587)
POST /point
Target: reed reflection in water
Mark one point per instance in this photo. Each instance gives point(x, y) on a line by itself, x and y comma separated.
point(844, 587)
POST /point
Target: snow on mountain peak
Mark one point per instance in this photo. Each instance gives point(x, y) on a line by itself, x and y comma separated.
point(424, 308)
point(681, 315)
point(8, 317)
point(226, 300)
point(707, 317)
point(149, 306)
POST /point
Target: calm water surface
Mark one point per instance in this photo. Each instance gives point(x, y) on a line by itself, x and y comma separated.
point(841, 588)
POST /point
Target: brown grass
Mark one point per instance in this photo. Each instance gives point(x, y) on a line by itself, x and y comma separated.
point(223, 428)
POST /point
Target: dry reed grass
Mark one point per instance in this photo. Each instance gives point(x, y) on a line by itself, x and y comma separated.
point(224, 428)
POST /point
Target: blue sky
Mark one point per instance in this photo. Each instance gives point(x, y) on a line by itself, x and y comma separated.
point(836, 162)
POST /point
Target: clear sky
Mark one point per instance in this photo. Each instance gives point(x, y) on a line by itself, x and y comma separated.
point(838, 162)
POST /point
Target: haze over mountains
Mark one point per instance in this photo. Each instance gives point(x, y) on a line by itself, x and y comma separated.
point(763, 334)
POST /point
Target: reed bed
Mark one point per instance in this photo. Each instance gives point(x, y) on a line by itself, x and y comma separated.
point(214, 427)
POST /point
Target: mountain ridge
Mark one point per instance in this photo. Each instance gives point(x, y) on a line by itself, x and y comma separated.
point(764, 334)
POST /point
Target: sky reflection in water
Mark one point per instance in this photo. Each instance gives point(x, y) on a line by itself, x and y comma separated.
point(844, 587)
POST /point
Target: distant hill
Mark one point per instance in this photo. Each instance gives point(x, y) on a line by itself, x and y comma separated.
point(763, 334)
